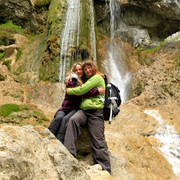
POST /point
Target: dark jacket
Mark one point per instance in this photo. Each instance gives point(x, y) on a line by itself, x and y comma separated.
point(72, 101)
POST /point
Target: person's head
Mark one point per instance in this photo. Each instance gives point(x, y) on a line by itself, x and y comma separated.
point(89, 68)
point(77, 68)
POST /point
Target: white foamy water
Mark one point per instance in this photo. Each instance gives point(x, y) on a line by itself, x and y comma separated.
point(114, 63)
point(69, 40)
point(71, 35)
point(92, 32)
point(169, 141)
point(117, 75)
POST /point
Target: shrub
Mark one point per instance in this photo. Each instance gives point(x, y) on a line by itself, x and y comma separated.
point(2, 78)
point(139, 88)
point(7, 63)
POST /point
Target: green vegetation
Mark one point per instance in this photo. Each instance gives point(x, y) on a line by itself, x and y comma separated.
point(19, 53)
point(142, 54)
point(2, 78)
point(6, 38)
point(1, 55)
point(139, 88)
point(33, 36)
point(20, 114)
point(10, 27)
point(43, 2)
point(7, 63)
point(39, 116)
point(141, 59)
point(55, 15)
point(156, 48)
point(7, 109)
point(49, 71)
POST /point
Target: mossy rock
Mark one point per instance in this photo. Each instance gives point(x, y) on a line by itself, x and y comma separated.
point(7, 64)
point(42, 2)
point(50, 61)
point(7, 109)
point(21, 115)
point(6, 38)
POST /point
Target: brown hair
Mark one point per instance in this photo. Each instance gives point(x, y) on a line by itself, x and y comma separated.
point(90, 63)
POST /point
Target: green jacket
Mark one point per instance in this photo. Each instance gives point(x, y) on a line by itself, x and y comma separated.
point(95, 102)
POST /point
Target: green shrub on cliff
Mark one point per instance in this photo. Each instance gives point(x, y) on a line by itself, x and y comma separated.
point(7, 64)
point(42, 2)
point(139, 88)
point(19, 53)
point(6, 38)
point(2, 78)
point(7, 109)
point(1, 54)
point(10, 27)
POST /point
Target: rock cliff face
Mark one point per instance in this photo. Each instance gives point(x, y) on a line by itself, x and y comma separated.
point(24, 13)
point(28, 65)
point(143, 23)
point(34, 153)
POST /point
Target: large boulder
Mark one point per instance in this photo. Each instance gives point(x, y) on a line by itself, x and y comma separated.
point(34, 153)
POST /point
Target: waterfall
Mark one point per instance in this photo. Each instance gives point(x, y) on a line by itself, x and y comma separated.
point(71, 35)
point(71, 29)
point(169, 141)
point(92, 31)
point(114, 63)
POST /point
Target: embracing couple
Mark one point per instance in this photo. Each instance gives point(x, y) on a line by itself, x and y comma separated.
point(82, 105)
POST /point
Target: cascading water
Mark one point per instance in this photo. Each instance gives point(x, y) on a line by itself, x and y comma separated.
point(114, 63)
point(169, 141)
point(71, 29)
point(92, 32)
point(71, 35)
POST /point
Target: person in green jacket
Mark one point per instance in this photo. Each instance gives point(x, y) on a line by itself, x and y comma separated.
point(91, 113)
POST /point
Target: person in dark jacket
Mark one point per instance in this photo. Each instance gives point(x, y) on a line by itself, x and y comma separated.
point(71, 102)
point(90, 113)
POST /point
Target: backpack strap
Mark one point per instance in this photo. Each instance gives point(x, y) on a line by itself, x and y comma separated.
point(102, 99)
point(110, 116)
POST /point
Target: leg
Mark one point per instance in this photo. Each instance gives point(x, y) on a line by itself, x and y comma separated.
point(61, 133)
point(73, 130)
point(96, 129)
point(56, 122)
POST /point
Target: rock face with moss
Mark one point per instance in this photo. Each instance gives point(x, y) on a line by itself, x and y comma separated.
point(159, 81)
point(67, 42)
point(26, 59)
point(141, 23)
point(24, 13)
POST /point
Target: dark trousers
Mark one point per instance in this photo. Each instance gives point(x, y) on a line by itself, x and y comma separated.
point(58, 124)
point(94, 119)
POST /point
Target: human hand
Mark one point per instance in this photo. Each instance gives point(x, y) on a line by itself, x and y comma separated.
point(67, 79)
point(101, 90)
point(67, 90)
point(102, 75)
